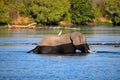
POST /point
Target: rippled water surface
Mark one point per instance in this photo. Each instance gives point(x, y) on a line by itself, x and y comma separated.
point(102, 64)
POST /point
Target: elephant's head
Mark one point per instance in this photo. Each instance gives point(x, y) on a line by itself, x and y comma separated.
point(79, 42)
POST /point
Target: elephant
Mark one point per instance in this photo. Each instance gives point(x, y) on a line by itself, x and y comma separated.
point(64, 44)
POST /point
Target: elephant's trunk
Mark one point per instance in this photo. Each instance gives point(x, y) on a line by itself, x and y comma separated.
point(87, 49)
point(84, 48)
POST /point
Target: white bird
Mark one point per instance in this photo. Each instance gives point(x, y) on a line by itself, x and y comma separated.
point(60, 33)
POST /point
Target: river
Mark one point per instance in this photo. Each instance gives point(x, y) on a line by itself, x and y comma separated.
point(103, 63)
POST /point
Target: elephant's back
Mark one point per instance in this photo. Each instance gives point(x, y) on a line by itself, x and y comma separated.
point(55, 40)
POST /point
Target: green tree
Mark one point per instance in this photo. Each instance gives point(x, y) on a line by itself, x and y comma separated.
point(9, 2)
point(4, 14)
point(48, 11)
point(97, 9)
point(112, 9)
point(81, 11)
point(16, 8)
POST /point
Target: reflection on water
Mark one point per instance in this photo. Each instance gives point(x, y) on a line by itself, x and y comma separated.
point(102, 64)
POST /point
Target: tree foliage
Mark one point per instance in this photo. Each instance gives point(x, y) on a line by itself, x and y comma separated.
point(54, 11)
point(48, 11)
point(81, 12)
point(112, 9)
point(4, 14)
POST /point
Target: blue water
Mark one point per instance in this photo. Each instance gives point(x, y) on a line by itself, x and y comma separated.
point(103, 63)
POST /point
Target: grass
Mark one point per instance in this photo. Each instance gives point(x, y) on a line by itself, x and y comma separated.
point(104, 23)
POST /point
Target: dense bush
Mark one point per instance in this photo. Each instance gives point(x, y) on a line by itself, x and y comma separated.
point(112, 9)
point(48, 11)
point(81, 11)
point(54, 11)
point(4, 14)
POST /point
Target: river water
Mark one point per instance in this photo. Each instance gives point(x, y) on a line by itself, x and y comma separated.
point(103, 63)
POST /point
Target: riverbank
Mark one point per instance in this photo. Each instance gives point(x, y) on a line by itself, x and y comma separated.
point(34, 26)
point(29, 26)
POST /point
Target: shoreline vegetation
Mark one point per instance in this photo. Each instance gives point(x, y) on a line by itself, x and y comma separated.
point(65, 13)
point(33, 26)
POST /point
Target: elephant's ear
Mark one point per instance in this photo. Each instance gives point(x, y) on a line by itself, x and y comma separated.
point(77, 38)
